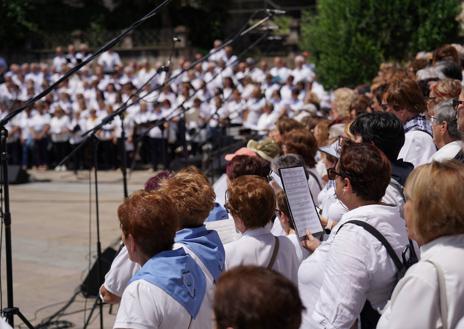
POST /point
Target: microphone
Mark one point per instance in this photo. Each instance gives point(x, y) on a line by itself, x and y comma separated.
point(275, 11)
point(176, 39)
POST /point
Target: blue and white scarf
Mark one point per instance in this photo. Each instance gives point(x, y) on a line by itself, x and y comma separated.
point(207, 245)
point(420, 123)
point(178, 275)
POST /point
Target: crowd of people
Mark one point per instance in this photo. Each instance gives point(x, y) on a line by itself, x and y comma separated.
point(197, 104)
point(383, 163)
point(385, 171)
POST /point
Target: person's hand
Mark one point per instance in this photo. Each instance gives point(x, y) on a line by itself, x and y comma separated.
point(108, 297)
point(310, 242)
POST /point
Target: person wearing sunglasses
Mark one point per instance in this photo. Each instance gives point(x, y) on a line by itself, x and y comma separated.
point(352, 266)
point(446, 135)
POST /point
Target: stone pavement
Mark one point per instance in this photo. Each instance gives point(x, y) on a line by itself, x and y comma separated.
point(52, 226)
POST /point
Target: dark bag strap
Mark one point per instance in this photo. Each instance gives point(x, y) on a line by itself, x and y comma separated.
point(372, 230)
point(315, 177)
point(274, 253)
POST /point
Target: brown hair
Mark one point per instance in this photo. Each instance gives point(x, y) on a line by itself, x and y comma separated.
point(251, 199)
point(321, 132)
point(151, 219)
point(242, 165)
point(252, 297)
point(436, 191)
point(367, 168)
point(286, 124)
point(445, 89)
point(361, 104)
point(282, 205)
point(301, 142)
point(446, 53)
point(406, 94)
point(192, 195)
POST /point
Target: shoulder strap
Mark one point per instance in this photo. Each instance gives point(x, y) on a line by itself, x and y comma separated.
point(442, 288)
point(372, 230)
point(274, 253)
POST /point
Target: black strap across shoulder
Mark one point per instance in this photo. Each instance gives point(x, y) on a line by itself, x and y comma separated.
point(274, 253)
point(372, 230)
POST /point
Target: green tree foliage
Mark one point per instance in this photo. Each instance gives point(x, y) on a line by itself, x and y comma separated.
point(16, 22)
point(350, 38)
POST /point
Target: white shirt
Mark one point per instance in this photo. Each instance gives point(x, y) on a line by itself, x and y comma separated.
point(418, 148)
point(352, 265)
point(122, 269)
point(59, 129)
point(448, 151)
point(109, 60)
point(415, 300)
point(146, 306)
point(315, 183)
point(301, 253)
point(255, 247)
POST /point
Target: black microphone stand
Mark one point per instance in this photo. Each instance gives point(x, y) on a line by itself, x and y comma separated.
point(98, 302)
point(123, 156)
point(11, 310)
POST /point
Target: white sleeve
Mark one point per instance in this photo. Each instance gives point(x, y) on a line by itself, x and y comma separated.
point(414, 304)
point(121, 271)
point(345, 283)
point(141, 307)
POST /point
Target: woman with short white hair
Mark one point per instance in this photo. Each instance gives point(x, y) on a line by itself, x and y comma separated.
point(445, 131)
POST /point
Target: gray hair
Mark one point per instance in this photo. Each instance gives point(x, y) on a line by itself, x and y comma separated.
point(445, 112)
point(288, 160)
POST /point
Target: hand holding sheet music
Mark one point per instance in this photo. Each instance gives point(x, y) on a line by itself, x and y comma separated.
point(300, 202)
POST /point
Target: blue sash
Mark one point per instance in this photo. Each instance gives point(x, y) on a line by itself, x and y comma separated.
point(206, 245)
point(177, 274)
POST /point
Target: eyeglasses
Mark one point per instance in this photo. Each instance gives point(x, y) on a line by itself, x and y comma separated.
point(332, 174)
point(434, 120)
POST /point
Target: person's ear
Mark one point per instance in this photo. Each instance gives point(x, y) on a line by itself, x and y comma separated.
point(444, 127)
point(347, 185)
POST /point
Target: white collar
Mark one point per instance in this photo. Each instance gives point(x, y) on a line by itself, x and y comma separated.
point(448, 151)
point(256, 231)
point(447, 240)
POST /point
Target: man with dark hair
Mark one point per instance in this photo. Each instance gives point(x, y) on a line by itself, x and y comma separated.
point(258, 298)
point(404, 98)
point(383, 129)
point(386, 132)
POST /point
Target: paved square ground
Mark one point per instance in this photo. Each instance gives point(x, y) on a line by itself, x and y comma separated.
point(52, 225)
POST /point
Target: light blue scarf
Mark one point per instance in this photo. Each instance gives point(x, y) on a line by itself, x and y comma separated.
point(178, 275)
point(206, 245)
